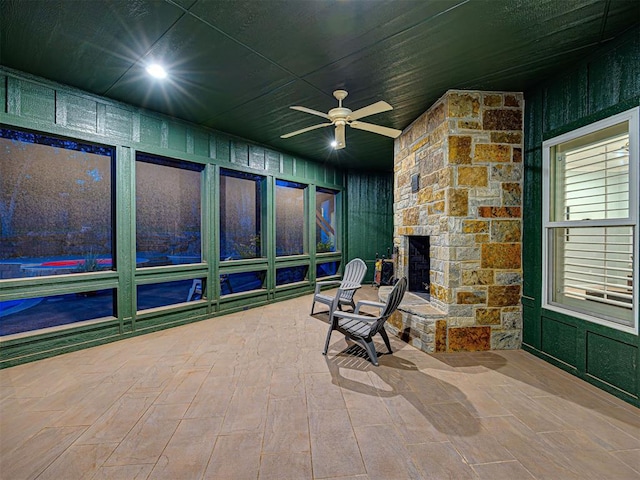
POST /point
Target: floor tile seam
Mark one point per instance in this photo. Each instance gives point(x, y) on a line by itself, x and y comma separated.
point(463, 458)
point(409, 443)
point(501, 415)
point(279, 453)
point(60, 453)
point(406, 455)
point(177, 424)
point(603, 416)
point(18, 446)
point(140, 418)
point(590, 411)
point(204, 470)
point(624, 450)
point(303, 379)
point(568, 461)
point(496, 462)
point(155, 402)
point(533, 475)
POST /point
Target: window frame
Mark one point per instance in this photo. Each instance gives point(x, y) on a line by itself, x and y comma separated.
point(304, 188)
point(337, 248)
point(261, 188)
point(142, 156)
point(17, 133)
point(549, 227)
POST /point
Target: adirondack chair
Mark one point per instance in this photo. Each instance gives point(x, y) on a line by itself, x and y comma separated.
point(362, 328)
point(354, 272)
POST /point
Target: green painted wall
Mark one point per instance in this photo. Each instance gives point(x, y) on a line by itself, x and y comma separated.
point(604, 84)
point(36, 104)
point(369, 217)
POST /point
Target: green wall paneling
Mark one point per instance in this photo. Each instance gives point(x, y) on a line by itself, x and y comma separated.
point(3, 92)
point(559, 339)
point(272, 161)
point(243, 301)
point(531, 322)
point(300, 168)
point(240, 153)
point(32, 101)
point(151, 131)
point(612, 369)
point(76, 112)
point(369, 218)
point(532, 230)
point(223, 149)
point(614, 75)
point(606, 83)
point(201, 143)
point(288, 165)
point(292, 290)
point(118, 123)
point(170, 316)
point(177, 137)
point(565, 100)
point(256, 157)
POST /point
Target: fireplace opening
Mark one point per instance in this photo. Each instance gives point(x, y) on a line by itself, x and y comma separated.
point(419, 266)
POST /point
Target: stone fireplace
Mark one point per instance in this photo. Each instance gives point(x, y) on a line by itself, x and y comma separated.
point(458, 184)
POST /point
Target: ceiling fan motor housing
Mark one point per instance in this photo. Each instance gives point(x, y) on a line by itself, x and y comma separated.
point(339, 113)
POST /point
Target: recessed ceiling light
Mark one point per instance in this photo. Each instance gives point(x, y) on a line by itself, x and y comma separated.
point(156, 71)
point(334, 144)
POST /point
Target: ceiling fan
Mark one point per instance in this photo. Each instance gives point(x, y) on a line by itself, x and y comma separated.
point(342, 116)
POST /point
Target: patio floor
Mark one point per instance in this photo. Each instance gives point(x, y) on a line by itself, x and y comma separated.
point(250, 396)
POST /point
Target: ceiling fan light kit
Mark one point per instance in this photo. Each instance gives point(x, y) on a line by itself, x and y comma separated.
point(342, 116)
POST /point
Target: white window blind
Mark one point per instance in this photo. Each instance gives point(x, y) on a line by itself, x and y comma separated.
point(592, 181)
point(596, 265)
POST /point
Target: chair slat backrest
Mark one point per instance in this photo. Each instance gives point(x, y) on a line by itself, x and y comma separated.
point(354, 273)
point(395, 297)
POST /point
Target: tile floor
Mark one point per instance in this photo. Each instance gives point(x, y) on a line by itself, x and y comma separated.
point(250, 396)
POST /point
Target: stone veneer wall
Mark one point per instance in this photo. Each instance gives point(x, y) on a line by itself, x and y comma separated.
point(467, 151)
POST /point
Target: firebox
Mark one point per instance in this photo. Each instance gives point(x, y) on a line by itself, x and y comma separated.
point(419, 265)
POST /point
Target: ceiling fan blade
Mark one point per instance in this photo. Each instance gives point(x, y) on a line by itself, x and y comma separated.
point(372, 109)
point(370, 127)
point(340, 137)
point(303, 130)
point(311, 111)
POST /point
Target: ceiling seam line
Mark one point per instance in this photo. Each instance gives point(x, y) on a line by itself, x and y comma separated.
point(418, 24)
point(255, 52)
point(605, 16)
point(252, 99)
point(140, 57)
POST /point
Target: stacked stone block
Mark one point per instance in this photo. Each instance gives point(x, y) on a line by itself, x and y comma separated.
point(467, 151)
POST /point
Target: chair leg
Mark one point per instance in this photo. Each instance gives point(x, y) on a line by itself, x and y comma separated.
point(312, 305)
point(385, 337)
point(371, 350)
point(326, 343)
